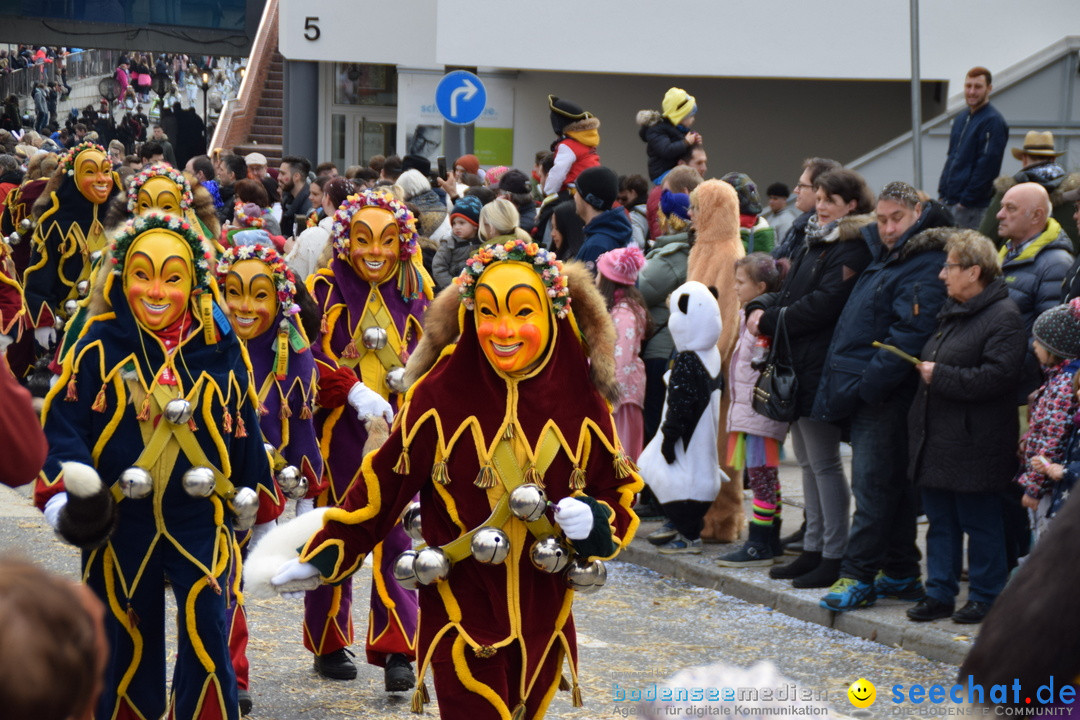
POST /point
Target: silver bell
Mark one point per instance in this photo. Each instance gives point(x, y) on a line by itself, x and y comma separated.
point(586, 577)
point(528, 502)
point(246, 506)
point(26, 225)
point(549, 555)
point(431, 566)
point(58, 323)
point(136, 483)
point(83, 288)
point(95, 256)
point(288, 478)
point(395, 380)
point(199, 482)
point(178, 411)
point(298, 491)
point(71, 307)
point(14, 239)
point(410, 521)
point(405, 570)
point(374, 338)
point(490, 545)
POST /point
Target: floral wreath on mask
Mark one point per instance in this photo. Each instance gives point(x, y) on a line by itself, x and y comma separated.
point(374, 198)
point(68, 160)
point(544, 262)
point(203, 256)
point(284, 280)
point(242, 219)
point(159, 170)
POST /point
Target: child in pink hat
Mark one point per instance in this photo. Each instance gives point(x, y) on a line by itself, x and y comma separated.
point(616, 276)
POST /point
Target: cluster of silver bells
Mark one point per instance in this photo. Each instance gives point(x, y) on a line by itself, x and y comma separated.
point(491, 546)
point(25, 226)
point(375, 339)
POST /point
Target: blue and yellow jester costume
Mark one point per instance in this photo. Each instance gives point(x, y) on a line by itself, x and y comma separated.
point(108, 411)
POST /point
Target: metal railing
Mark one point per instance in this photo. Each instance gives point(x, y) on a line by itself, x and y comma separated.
point(78, 66)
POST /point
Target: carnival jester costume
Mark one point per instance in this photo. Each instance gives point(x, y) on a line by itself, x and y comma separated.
point(68, 236)
point(372, 298)
point(154, 454)
point(505, 424)
point(260, 292)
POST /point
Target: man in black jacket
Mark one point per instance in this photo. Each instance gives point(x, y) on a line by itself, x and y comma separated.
point(295, 203)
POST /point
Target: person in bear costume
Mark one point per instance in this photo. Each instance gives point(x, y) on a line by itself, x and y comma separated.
point(681, 462)
point(714, 205)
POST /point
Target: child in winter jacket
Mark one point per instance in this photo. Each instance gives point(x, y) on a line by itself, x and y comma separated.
point(667, 133)
point(681, 462)
point(455, 250)
point(754, 440)
point(616, 274)
point(577, 137)
point(1057, 346)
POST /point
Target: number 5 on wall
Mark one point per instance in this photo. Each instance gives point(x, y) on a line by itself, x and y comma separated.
point(311, 29)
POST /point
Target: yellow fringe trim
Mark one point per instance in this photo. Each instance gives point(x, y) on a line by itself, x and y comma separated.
point(402, 466)
point(418, 701)
point(99, 401)
point(577, 696)
point(508, 433)
point(519, 712)
point(624, 466)
point(532, 475)
point(577, 479)
point(485, 479)
point(439, 473)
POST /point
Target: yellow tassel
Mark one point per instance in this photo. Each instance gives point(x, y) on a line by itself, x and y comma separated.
point(564, 684)
point(281, 366)
point(241, 431)
point(99, 401)
point(519, 712)
point(402, 466)
point(285, 412)
point(577, 696)
point(418, 701)
point(305, 412)
point(213, 583)
point(350, 352)
point(226, 420)
point(577, 479)
point(439, 474)
point(424, 693)
point(144, 411)
point(485, 479)
point(508, 434)
point(206, 315)
point(72, 391)
point(624, 466)
point(132, 616)
point(191, 425)
point(532, 475)
point(262, 410)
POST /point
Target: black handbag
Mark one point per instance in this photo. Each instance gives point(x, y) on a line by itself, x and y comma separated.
point(776, 388)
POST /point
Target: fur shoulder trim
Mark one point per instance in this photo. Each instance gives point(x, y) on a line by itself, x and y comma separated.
point(927, 241)
point(648, 118)
point(850, 227)
point(596, 327)
point(1070, 182)
point(440, 330)
point(589, 123)
point(1003, 183)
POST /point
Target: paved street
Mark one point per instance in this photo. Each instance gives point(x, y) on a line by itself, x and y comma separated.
point(640, 629)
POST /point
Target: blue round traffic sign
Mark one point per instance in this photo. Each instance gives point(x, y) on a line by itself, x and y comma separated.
point(460, 97)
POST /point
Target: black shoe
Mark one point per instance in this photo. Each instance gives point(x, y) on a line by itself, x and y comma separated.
point(823, 576)
point(336, 665)
point(929, 608)
point(398, 673)
point(245, 700)
point(801, 565)
point(972, 613)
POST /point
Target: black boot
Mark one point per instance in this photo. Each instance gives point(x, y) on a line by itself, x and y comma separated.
point(336, 665)
point(756, 552)
point(824, 575)
point(793, 543)
point(775, 544)
point(398, 673)
point(801, 565)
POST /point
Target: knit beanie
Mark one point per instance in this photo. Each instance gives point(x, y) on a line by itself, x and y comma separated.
point(598, 187)
point(468, 208)
point(494, 175)
point(677, 204)
point(621, 265)
point(514, 182)
point(564, 112)
point(749, 201)
point(470, 163)
point(678, 105)
point(416, 162)
point(1058, 330)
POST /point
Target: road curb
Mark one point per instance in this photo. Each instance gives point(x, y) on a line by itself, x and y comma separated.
point(885, 623)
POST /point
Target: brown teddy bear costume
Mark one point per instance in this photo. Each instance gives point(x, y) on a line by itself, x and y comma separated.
point(712, 262)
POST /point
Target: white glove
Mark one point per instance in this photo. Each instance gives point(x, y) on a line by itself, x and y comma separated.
point(366, 401)
point(574, 517)
point(5, 340)
point(304, 505)
point(259, 531)
point(53, 506)
point(45, 336)
point(294, 578)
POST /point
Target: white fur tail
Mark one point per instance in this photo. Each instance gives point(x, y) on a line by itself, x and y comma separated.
point(275, 549)
point(80, 479)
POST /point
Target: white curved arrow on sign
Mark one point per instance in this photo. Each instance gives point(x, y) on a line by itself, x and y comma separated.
point(467, 92)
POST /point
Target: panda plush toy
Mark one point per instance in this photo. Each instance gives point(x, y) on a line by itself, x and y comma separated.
point(680, 463)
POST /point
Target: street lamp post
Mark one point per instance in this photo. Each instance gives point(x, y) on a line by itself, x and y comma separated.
point(205, 85)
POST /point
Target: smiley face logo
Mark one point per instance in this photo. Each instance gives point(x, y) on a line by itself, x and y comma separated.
point(862, 693)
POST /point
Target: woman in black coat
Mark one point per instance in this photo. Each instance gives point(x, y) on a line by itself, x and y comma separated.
point(963, 427)
point(823, 272)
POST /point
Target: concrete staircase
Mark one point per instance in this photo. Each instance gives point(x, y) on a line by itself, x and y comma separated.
point(265, 134)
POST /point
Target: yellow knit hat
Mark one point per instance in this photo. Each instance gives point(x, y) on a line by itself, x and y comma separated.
point(678, 104)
